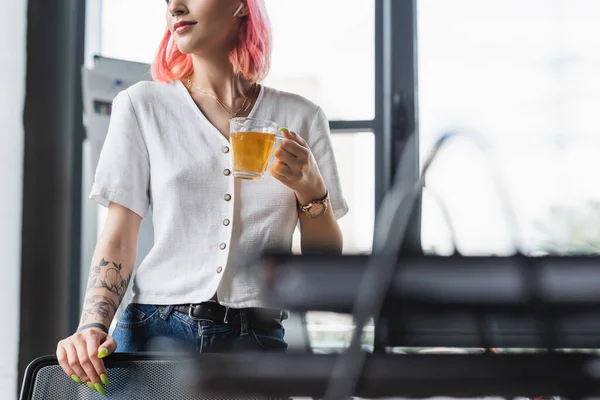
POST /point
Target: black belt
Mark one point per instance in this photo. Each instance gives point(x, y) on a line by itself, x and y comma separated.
point(216, 312)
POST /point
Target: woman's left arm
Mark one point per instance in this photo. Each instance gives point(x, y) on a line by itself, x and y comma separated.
point(297, 168)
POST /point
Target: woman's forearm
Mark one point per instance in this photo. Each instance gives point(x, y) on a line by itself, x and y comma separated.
point(321, 234)
point(108, 280)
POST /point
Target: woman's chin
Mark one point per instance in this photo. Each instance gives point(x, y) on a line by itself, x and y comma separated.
point(193, 45)
point(186, 45)
point(185, 49)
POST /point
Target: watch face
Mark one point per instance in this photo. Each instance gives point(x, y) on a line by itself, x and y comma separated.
point(316, 209)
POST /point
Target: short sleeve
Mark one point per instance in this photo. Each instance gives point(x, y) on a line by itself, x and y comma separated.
point(123, 171)
point(319, 141)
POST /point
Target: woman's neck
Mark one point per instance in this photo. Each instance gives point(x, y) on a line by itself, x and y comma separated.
point(216, 75)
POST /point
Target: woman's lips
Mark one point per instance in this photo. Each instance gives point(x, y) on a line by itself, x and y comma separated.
point(183, 26)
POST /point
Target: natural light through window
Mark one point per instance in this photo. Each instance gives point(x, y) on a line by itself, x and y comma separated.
point(523, 76)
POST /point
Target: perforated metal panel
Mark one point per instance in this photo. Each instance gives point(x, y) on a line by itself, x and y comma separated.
point(143, 380)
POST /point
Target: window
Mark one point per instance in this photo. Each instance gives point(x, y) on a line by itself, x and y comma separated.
point(521, 75)
point(121, 39)
point(332, 67)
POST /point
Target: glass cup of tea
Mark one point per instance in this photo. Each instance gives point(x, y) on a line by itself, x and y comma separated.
point(252, 144)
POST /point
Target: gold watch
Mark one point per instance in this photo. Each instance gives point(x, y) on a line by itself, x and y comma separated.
point(316, 208)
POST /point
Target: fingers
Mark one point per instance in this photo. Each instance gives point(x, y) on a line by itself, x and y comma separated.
point(285, 157)
point(281, 171)
point(80, 357)
point(108, 347)
point(85, 360)
point(73, 362)
point(294, 149)
point(291, 161)
point(293, 136)
point(61, 356)
point(295, 145)
point(93, 346)
point(279, 177)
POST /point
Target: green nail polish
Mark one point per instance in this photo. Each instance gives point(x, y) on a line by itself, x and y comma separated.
point(100, 389)
point(76, 379)
point(286, 130)
point(104, 379)
point(91, 386)
point(102, 353)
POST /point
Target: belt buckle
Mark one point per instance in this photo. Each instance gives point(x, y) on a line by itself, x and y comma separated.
point(192, 308)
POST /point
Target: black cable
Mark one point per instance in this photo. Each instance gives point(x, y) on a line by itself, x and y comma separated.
point(446, 216)
point(391, 227)
point(392, 223)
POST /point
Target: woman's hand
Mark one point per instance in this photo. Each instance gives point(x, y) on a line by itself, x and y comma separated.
point(80, 356)
point(297, 169)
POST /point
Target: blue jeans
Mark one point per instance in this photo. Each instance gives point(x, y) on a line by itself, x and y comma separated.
point(159, 328)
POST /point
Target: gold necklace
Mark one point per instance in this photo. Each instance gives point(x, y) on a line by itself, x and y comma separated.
point(244, 107)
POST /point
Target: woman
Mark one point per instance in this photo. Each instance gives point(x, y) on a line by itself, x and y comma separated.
point(168, 147)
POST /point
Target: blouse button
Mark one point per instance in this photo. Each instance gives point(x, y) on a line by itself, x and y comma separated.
point(225, 149)
point(227, 197)
point(226, 222)
point(219, 270)
point(227, 172)
point(222, 246)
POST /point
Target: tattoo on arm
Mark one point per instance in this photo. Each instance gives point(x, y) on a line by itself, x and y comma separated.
point(107, 275)
point(102, 308)
point(98, 308)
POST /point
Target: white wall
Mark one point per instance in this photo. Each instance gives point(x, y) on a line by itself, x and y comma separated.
point(13, 25)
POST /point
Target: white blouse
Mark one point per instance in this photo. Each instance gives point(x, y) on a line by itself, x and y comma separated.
point(162, 152)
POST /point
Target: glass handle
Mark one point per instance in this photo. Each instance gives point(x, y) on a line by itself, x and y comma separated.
point(275, 147)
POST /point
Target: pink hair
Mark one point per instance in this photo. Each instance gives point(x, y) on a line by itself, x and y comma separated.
point(250, 57)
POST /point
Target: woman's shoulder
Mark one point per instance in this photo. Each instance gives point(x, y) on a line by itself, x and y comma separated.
point(145, 92)
point(292, 101)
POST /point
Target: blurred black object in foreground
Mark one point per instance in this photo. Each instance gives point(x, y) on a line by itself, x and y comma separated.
point(519, 302)
point(529, 375)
